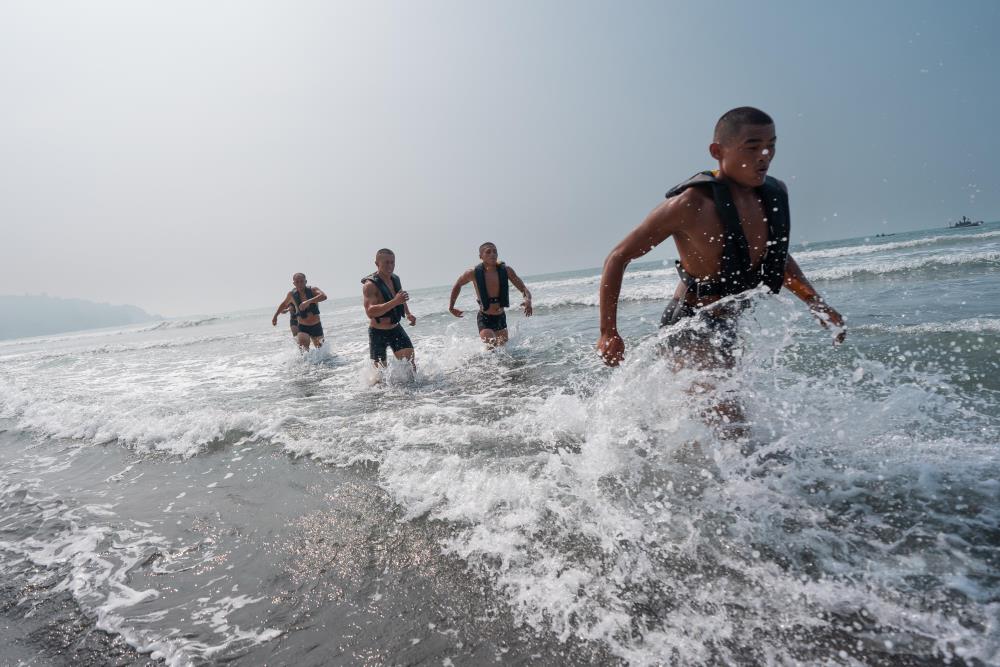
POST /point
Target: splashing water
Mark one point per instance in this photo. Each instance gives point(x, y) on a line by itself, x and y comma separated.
point(207, 492)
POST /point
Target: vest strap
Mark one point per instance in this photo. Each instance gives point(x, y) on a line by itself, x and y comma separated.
point(397, 312)
point(485, 300)
point(737, 273)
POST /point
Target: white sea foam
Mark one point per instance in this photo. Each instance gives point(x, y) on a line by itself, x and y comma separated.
point(622, 481)
point(887, 247)
point(182, 324)
point(94, 561)
point(141, 426)
point(904, 264)
point(599, 503)
point(969, 325)
point(649, 292)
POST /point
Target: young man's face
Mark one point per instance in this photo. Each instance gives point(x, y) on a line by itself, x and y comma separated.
point(488, 253)
point(385, 262)
point(299, 281)
point(746, 156)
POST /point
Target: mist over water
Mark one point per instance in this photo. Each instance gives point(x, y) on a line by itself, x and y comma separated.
point(199, 491)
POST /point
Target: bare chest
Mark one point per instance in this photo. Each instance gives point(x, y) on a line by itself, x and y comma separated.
point(703, 242)
point(492, 279)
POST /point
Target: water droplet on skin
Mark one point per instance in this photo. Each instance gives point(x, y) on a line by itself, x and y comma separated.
point(765, 152)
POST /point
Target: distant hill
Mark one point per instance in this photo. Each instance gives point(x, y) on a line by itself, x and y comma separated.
point(28, 315)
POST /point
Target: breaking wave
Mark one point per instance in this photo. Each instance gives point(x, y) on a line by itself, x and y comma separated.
point(848, 251)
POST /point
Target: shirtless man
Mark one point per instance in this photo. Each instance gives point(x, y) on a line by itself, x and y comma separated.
point(385, 305)
point(301, 302)
point(731, 227)
point(491, 277)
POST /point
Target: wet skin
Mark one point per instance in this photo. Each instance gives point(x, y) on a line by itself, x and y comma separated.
point(375, 306)
point(489, 256)
point(309, 319)
point(692, 220)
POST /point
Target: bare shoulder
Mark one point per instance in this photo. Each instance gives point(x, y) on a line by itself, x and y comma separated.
point(683, 210)
point(696, 198)
point(368, 288)
point(510, 269)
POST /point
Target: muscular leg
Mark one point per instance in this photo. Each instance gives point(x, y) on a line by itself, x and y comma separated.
point(302, 338)
point(317, 341)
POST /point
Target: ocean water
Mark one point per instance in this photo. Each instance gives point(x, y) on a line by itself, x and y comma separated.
point(197, 491)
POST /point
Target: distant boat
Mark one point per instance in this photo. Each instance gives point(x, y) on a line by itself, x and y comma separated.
point(965, 222)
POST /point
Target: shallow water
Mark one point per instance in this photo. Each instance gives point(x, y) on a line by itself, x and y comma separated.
point(197, 491)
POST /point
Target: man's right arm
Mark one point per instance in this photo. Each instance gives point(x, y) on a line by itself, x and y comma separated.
point(282, 307)
point(374, 309)
point(657, 226)
point(456, 290)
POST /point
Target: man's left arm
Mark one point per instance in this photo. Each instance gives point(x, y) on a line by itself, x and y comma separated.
point(406, 309)
point(827, 315)
point(519, 284)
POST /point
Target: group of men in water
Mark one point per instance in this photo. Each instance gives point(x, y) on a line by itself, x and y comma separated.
point(731, 226)
point(386, 304)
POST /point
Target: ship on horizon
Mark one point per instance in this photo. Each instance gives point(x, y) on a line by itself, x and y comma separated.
point(965, 222)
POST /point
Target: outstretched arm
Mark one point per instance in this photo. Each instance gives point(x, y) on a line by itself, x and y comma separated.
point(797, 284)
point(519, 284)
point(456, 290)
point(657, 226)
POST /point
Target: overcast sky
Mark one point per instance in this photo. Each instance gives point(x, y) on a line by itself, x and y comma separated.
point(188, 157)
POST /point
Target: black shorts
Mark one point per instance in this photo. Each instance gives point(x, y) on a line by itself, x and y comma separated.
point(711, 339)
point(379, 339)
point(314, 330)
point(494, 322)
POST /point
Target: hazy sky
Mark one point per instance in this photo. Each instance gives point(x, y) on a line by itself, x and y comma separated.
point(188, 157)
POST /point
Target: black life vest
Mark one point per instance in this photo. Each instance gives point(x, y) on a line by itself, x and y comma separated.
point(485, 300)
point(313, 308)
point(396, 314)
point(736, 273)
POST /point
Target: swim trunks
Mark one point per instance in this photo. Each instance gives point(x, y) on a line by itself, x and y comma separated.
point(494, 322)
point(710, 340)
point(314, 330)
point(379, 339)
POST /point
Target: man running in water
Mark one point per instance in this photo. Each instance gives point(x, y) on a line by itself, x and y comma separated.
point(301, 302)
point(385, 305)
point(491, 278)
point(731, 228)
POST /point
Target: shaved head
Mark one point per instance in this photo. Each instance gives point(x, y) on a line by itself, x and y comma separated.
point(734, 120)
point(384, 251)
